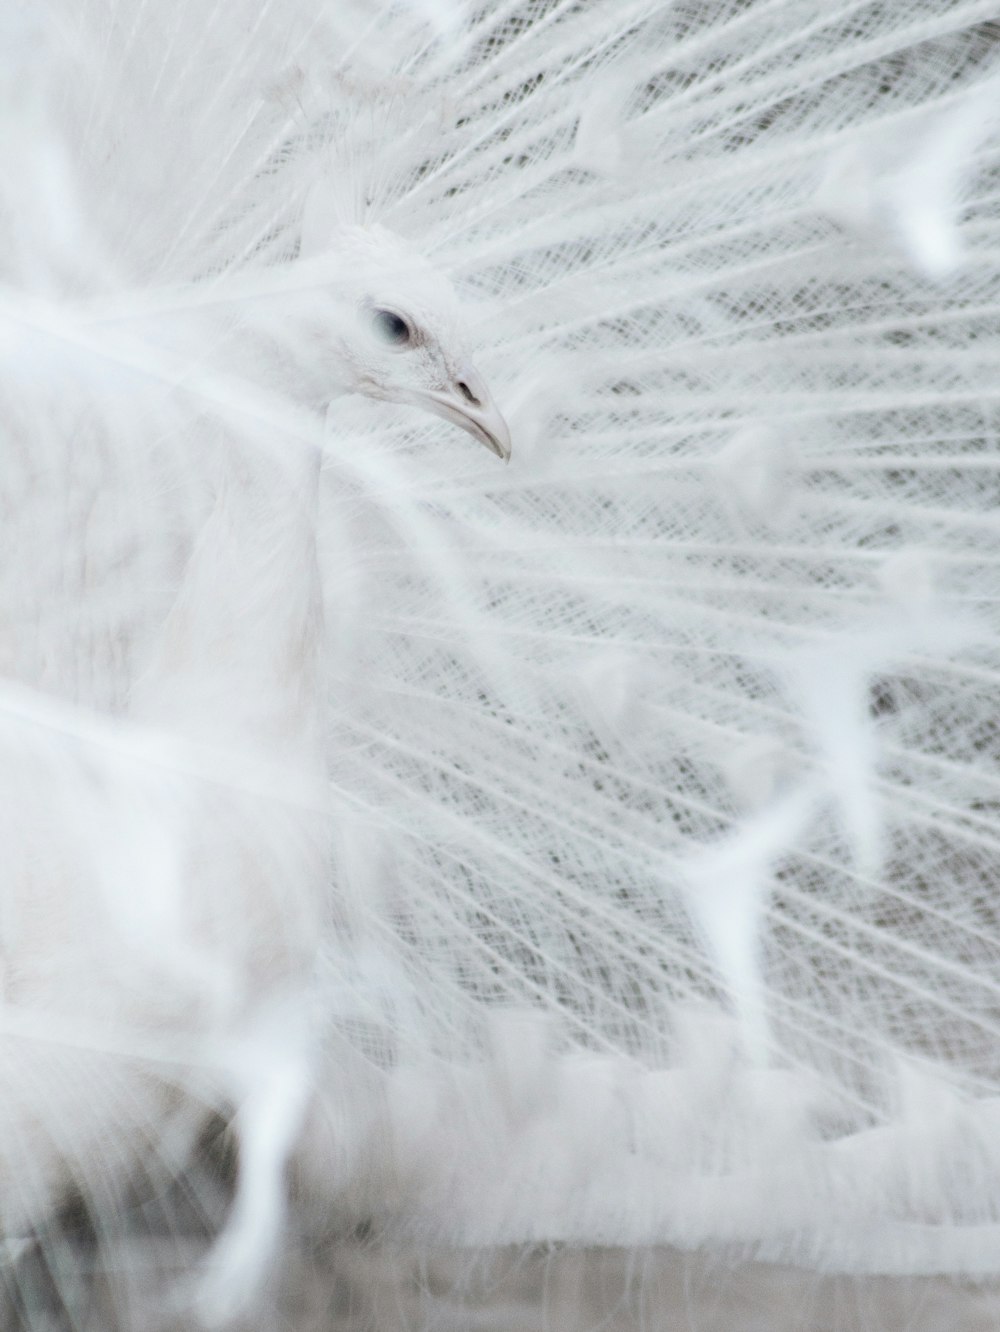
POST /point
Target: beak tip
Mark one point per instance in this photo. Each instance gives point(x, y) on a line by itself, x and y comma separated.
point(479, 418)
point(499, 438)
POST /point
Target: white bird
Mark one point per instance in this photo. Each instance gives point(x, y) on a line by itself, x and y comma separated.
point(215, 883)
point(663, 772)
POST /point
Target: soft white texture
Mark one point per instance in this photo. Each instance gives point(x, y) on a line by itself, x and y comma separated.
point(663, 763)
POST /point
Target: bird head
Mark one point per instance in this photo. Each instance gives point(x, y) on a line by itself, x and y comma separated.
point(400, 337)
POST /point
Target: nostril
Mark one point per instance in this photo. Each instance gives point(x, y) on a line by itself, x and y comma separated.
point(468, 394)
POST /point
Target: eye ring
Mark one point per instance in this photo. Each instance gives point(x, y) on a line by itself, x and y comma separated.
point(392, 329)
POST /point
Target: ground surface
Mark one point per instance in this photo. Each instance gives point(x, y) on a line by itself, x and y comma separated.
point(576, 1291)
point(351, 1287)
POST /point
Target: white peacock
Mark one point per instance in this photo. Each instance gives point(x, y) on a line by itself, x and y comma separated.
point(625, 869)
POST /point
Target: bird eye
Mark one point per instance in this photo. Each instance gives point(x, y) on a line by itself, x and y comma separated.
point(391, 328)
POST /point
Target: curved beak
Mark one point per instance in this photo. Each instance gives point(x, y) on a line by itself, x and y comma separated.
point(467, 403)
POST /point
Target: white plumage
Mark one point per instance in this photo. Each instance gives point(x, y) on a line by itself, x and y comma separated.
point(621, 867)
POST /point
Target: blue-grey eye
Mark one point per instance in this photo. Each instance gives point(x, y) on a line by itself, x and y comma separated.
point(391, 328)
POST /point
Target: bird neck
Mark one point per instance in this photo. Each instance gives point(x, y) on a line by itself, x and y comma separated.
point(238, 661)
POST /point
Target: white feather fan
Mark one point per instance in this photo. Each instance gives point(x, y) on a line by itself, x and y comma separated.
point(598, 848)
